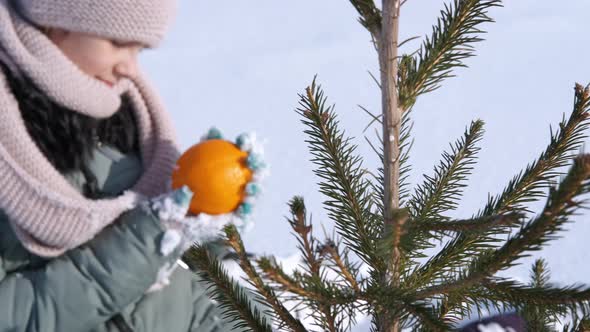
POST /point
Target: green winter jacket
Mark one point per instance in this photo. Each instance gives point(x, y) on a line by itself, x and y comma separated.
point(100, 286)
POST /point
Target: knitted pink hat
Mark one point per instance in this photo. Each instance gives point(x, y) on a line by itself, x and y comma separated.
point(143, 21)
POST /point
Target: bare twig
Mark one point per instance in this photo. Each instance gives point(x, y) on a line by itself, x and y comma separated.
point(407, 40)
point(374, 79)
point(375, 118)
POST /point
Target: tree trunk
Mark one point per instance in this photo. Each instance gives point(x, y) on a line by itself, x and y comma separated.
point(392, 116)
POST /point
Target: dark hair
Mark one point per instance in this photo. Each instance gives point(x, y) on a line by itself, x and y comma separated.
point(67, 138)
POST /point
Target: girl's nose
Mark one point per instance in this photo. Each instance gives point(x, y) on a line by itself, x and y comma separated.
point(127, 68)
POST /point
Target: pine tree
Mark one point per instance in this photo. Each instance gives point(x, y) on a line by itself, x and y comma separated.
point(382, 225)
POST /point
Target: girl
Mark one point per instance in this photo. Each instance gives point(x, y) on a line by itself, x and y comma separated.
point(89, 231)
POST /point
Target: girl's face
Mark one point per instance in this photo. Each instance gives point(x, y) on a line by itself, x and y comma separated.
point(103, 59)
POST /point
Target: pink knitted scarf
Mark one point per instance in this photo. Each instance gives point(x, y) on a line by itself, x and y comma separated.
point(48, 215)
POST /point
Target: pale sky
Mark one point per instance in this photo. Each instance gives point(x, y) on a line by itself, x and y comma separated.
point(240, 65)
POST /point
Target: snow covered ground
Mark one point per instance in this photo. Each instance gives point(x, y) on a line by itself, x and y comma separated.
point(240, 65)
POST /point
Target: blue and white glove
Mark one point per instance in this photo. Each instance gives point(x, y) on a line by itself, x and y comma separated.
point(249, 143)
point(182, 231)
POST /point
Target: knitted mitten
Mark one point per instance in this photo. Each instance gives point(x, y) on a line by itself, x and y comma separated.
point(182, 231)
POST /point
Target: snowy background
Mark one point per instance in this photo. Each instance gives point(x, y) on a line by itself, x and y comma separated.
point(239, 66)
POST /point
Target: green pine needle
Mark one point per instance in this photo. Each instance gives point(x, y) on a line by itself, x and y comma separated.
point(439, 194)
point(539, 318)
point(556, 300)
point(457, 282)
point(426, 317)
point(233, 300)
point(470, 225)
point(370, 15)
point(540, 273)
point(266, 294)
point(405, 146)
point(349, 198)
point(451, 42)
point(561, 205)
point(527, 187)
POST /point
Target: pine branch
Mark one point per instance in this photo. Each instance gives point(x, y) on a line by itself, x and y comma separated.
point(342, 182)
point(470, 225)
point(529, 185)
point(370, 16)
point(305, 239)
point(526, 187)
point(233, 300)
point(273, 272)
point(326, 318)
point(343, 267)
point(305, 287)
point(441, 192)
point(405, 146)
point(449, 45)
point(470, 303)
point(401, 303)
point(540, 273)
point(573, 298)
point(235, 241)
point(333, 301)
point(381, 297)
point(537, 317)
point(560, 206)
point(427, 317)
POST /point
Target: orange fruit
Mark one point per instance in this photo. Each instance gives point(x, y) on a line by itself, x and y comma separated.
point(216, 172)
